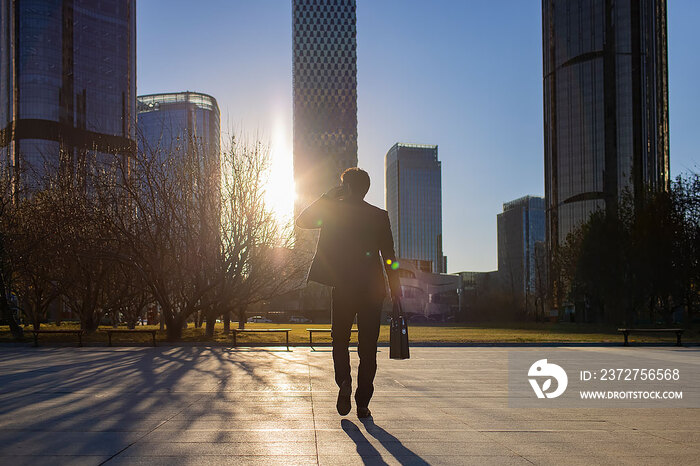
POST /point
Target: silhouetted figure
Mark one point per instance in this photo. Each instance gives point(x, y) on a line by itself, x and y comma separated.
point(353, 234)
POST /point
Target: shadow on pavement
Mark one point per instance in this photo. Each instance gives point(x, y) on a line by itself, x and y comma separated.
point(371, 455)
point(58, 402)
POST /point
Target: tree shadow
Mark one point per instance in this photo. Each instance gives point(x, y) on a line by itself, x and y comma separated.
point(98, 401)
point(393, 445)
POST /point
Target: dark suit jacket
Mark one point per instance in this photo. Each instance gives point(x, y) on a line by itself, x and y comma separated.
point(353, 234)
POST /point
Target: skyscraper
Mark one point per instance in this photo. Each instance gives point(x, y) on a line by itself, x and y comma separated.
point(184, 127)
point(605, 107)
point(520, 226)
point(325, 94)
point(413, 198)
point(172, 123)
point(67, 81)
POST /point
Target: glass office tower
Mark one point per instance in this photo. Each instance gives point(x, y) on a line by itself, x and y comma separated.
point(520, 226)
point(169, 124)
point(67, 82)
point(413, 198)
point(324, 70)
point(605, 107)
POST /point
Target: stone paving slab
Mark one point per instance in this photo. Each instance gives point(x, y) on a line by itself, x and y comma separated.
point(211, 406)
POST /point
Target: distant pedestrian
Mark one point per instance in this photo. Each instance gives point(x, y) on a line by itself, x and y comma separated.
point(355, 247)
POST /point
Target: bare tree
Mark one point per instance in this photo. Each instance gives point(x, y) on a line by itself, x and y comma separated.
point(8, 193)
point(201, 242)
point(256, 259)
point(31, 248)
point(113, 234)
point(82, 270)
point(159, 210)
point(127, 296)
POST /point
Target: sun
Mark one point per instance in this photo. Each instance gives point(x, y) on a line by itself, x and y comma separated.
point(279, 191)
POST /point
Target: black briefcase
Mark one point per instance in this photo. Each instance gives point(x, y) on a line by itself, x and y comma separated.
point(398, 333)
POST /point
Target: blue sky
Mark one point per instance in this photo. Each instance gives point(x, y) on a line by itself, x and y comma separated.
point(466, 75)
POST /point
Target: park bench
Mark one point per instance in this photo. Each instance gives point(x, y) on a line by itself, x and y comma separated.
point(76, 332)
point(321, 330)
point(236, 331)
point(129, 330)
point(627, 331)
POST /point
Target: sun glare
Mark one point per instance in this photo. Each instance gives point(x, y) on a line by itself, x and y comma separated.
point(279, 192)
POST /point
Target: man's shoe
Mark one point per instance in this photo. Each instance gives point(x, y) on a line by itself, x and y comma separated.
point(363, 412)
point(343, 403)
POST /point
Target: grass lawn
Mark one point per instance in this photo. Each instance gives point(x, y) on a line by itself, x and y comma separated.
point(418, 333)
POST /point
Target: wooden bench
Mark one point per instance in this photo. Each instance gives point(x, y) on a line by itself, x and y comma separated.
point(236, 331)
point(77, 332)
point(129, 330)
point(321, 330)
point(627, 331)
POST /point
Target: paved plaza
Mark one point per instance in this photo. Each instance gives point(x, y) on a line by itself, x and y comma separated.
point(195, 405)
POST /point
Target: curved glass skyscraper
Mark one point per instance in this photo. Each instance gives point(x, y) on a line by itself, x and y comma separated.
point(605, 107)
point(171, 123)
point(67, 81)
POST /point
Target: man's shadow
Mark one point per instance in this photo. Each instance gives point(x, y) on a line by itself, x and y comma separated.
point(371, 455)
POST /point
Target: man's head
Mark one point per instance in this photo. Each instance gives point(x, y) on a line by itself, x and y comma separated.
point(357, 182)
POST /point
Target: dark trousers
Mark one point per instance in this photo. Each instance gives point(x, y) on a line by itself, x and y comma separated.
point(346, 305)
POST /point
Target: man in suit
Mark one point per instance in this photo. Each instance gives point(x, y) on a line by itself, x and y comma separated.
point(352, 237)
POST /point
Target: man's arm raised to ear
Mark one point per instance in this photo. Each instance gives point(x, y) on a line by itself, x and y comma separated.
point(315, 214)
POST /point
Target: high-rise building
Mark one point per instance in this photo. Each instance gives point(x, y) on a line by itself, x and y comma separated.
point(67, 81)
point(521, 226)
point(325, 94)
point(170, 124)
point(413, 198)
point(184, 127)
point(605, 108)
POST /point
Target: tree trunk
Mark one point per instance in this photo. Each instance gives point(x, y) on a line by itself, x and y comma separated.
point(227, 322)
point(17, 332)
point(89, 323)
point(174, 333)
point(241, 318)
point(58, 313)
point(174, 329)
point(211, 323)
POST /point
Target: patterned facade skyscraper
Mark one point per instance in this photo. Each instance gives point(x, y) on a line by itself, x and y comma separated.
point(605, 108)
point(67, 81)
point(413, 199)
point(325, 95)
